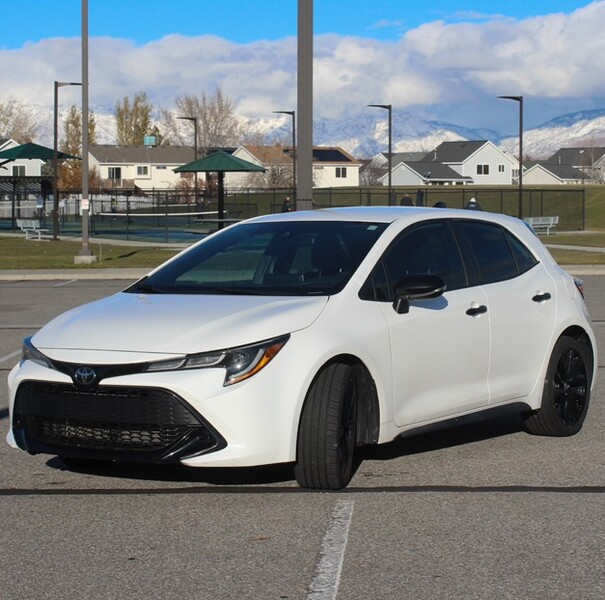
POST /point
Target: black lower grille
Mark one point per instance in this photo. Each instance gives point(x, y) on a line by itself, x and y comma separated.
point(61, 418)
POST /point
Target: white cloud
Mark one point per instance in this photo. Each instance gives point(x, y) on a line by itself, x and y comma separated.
point(444, 70)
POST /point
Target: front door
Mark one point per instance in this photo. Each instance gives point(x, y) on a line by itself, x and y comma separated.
point(440, 348)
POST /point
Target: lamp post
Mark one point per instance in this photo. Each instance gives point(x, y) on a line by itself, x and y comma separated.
point(292, 113)
point(519, 99)
point(58, 84)
point(194, 121)
point(388, 107)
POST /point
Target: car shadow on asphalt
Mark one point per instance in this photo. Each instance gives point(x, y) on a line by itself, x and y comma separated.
point(461, 431)
point(457, 432)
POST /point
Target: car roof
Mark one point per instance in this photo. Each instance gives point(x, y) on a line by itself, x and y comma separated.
point(386, 214)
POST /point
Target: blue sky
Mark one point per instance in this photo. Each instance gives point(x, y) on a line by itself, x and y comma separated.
point(444, 60)
point(245, 21)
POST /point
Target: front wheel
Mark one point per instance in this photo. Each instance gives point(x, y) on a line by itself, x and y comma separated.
point(566, 391)
point(327, 433)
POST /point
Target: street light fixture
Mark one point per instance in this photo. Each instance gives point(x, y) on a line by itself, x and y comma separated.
point(194, 121)
point(519, 99)
point(58, 84)
point(292, 113)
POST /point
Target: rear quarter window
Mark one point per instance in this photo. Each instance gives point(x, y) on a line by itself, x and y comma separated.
point(491, 251)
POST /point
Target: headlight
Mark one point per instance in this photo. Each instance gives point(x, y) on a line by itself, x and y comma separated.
point(30, 352)
point(239, 363)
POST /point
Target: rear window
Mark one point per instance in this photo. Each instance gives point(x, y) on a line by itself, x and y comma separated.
point(498, 255)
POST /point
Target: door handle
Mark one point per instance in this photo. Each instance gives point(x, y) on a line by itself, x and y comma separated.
point(539, 297)
point(476, 310)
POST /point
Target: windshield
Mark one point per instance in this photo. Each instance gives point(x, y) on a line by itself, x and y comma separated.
point(277, 258)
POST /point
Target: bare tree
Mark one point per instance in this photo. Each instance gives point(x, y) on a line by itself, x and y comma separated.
point(217, 123)
point(133, 119)
point(17, 122)
point(370, 175)
point(70, 171)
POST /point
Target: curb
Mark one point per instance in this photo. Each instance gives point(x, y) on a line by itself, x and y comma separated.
point(72, 274)
point(134, 274)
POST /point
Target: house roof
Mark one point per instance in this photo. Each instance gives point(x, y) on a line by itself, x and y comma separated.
point(269, 154)
point(398, 157)
point(430, 171)
point(172, 155)
point(283, 154)
point(562, 172)
point(580, 156)
point(436, 171)
point(332, 154)
point(454, 152)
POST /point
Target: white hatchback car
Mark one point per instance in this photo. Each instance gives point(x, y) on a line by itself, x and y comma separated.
point(294, 338)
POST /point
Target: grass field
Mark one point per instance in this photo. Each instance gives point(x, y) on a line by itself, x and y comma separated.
point(17, 253)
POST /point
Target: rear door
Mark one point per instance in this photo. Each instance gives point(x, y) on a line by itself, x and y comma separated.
point(522, 307)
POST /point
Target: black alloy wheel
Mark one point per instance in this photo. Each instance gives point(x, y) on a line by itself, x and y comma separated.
point(566, 393)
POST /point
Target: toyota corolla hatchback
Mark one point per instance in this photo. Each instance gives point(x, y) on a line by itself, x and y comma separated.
point(295, 338)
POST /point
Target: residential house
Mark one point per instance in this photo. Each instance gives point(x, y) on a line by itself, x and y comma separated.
point(418, 173)
point(481, 161)
point(372, 170)
point(545, 173)
point(589, 160)
point(332, 166)
point(146, 167)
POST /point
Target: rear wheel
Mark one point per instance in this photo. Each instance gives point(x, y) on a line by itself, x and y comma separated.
point(566, 391)
point(327, 433)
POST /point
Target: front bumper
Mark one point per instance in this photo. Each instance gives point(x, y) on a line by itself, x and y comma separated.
point(108, 422)
point(184, 416)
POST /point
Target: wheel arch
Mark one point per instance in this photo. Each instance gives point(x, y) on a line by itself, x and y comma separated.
point(580, 334)
point(368, 423)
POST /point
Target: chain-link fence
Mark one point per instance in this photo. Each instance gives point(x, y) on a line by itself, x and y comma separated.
point(178, 216)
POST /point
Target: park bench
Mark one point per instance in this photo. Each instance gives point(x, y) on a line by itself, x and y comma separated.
point(32, 229)
point(542, 224)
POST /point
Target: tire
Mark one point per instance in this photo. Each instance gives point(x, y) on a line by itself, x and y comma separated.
point(327, 433)
point(566, 392)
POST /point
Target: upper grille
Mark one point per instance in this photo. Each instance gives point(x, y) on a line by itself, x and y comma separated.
point(106, 418)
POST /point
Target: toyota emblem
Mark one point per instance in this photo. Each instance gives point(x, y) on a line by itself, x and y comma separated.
point(84, 376)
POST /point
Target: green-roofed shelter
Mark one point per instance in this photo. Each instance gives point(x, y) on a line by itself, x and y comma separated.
point(219, 162)
point(32, 151)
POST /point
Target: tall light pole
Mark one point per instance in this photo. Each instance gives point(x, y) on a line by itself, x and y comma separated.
point(519, 99)
point(304, 106)
point(85, 256)
point(292, 113)
point(58, 84)
point(194, 121)
point(389, 107)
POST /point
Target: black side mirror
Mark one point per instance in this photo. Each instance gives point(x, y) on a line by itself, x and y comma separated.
point(416, 287)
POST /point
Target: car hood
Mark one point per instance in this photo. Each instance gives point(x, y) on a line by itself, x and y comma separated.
point(177, 324)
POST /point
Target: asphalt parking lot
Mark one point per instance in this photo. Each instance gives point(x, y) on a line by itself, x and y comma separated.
point(481, 510)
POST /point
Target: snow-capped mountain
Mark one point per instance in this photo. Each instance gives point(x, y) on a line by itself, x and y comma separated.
point(584, 128)
point(366, 134)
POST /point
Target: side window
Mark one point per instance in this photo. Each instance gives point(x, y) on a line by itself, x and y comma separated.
point(426, 248)
point(523, 257)
point(491, 250)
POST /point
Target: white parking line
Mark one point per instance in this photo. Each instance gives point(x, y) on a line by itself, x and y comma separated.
point(9, 356)
point(327, 579)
